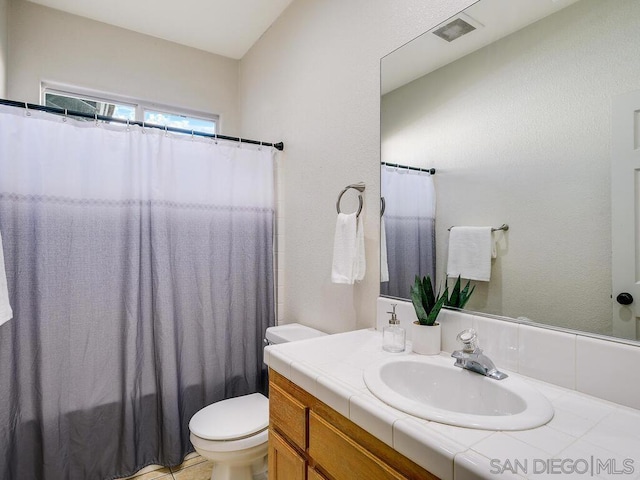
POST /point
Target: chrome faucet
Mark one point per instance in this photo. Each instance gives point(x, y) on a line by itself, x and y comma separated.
point(472, 358)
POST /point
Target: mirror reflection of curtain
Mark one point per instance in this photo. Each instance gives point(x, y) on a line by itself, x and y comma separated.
point(409, 220)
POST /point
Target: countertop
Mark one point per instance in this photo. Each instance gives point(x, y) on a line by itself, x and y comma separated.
point(587, 437)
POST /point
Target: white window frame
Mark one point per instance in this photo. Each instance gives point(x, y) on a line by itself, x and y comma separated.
point(140, 106)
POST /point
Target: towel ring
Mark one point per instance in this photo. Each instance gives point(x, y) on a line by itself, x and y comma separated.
point(360, 187)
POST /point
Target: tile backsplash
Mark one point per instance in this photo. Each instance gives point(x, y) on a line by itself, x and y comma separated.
point(603, 368)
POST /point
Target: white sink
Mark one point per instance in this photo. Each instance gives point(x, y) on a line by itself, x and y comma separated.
point(433, 389)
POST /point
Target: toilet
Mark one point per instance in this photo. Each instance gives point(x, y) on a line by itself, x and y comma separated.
point(233, 433)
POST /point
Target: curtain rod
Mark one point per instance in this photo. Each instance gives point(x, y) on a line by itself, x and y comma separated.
point(62, 111)
point(432, 171)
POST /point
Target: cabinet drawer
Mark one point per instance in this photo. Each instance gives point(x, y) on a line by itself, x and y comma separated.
point(288, 416)
point(341, 457)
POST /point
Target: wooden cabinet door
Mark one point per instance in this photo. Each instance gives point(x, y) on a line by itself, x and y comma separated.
point(284, 462)
point(341, 457)
point(313, 474)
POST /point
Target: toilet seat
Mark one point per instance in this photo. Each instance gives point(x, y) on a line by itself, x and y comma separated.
point(232, 419)
point(258, 440)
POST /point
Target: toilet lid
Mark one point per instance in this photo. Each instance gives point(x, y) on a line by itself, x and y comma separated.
point(232, 419)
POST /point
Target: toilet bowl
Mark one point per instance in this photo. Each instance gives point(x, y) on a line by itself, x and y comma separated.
point(233, 433)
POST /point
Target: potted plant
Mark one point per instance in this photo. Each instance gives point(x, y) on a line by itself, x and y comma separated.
point(427, 304)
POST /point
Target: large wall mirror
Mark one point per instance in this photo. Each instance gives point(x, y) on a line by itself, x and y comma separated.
point(529, 112)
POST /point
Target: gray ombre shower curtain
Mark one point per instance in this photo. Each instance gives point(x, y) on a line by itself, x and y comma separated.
point(409, 217)
point(140, 272)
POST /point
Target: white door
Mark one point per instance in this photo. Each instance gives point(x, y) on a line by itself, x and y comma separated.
point(625, 205)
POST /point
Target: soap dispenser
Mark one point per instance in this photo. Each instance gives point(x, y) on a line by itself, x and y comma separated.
point(393, 335)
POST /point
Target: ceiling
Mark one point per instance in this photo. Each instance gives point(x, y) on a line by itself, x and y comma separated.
point(493, 19)
point(223, 27)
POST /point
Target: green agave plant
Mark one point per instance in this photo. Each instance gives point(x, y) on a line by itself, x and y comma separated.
point(427, 303)
point(459, 298)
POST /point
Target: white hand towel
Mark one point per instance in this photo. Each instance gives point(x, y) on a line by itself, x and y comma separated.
point(6, 313)
point(361, 264)
point(344, 249)
point(384, 263)
point(470, 252)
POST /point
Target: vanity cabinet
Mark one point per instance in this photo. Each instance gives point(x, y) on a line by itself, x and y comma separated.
point(308, 440)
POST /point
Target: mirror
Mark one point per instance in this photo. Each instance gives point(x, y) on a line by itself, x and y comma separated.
point(515, 116)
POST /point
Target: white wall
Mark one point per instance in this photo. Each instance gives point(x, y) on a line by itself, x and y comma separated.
point(4, 25)
point(520, 133)
point(313, 81)
point(50, 45)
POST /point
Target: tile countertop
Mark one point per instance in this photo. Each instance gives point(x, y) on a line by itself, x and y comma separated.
point(587, 437)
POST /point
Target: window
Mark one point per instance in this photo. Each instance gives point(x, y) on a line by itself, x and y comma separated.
point(180, 121)
point(89, 105)
point(81, 101)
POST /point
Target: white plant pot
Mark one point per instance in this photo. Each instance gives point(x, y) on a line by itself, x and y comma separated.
point(425, 339)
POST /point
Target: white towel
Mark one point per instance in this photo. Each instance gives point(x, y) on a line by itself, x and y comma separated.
point(344, 249)
point(360, 266)
point(384, 263)
point(6, 313)
point(470, 253)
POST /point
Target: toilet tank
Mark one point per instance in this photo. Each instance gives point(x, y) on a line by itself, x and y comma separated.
point(290, 333)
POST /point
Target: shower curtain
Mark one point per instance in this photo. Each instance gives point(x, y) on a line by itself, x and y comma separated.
point(140, 272)
point(409, 218)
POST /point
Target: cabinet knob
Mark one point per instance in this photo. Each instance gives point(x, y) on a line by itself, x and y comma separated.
point(624, 299)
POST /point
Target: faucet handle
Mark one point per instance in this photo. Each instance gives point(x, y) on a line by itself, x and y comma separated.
point(469, 340)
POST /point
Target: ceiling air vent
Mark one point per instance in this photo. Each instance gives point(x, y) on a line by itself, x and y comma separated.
point(454, 29)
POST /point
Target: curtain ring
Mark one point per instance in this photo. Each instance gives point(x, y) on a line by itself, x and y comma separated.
point(215, 138)
point(64, 119)
point(166, 133)
point(128, 126)
point(360, 201)
point(239, 142)
point(96, 118)
point(260, 147)
point(26, 106)
point(383, 206)
point(192, 135)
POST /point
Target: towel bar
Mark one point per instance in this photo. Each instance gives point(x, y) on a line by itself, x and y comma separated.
point(356, 186)
point(504, 227)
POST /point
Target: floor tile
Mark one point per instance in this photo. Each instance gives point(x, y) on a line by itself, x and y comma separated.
point(201, 471)
point(151, 475)
point(162, 474)
point(189, 461)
